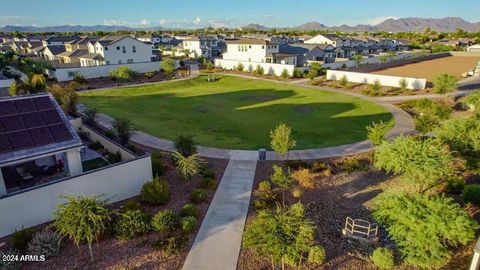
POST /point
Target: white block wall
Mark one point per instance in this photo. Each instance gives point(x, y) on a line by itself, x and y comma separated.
point(102, 71)
point(36, 206)
point(394, 81)
point(269, 68)
point(369, 61)
point(6, 83)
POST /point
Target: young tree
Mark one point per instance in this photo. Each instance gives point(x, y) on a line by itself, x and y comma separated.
point(89, 115)
point(462, 135)
point(424, 227)
point(376, 87)
point(283, 234)
point(82, 219)
point(424, 162)
point(188, 166)
point(444, 83)
point(312, 74)
point(123, 129)
point(282, 140)
point(240, 67)
point(403, 84)
point(343, 81)
point(259, 70)
point(66, 96)
point(472, 101)
point(168, 66)
point(358, 59)
point(376, 132)
point(285, 74)
point(13, 89)
point(122, 74)
point(282, 179)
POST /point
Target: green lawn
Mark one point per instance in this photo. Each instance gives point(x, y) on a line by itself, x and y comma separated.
point(239, 113)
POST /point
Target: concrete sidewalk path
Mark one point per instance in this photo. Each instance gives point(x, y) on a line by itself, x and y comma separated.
point(218, 242)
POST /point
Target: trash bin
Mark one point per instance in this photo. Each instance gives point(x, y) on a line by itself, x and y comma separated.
point(262, 154)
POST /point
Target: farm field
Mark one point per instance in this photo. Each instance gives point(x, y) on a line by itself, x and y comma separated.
point(454, 65)
point(238, 113)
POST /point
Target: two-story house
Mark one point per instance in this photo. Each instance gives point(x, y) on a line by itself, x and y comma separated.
point(117, 50)
point(206, 46)
point(74, 49)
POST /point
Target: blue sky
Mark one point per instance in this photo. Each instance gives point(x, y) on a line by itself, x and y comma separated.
point(230, 13)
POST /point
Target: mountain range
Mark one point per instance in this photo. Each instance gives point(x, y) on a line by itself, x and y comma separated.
point(411, 24)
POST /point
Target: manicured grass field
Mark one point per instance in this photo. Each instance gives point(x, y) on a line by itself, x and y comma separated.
point(239, 113)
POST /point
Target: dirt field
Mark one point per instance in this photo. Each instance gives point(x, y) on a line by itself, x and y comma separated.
point(454, 65)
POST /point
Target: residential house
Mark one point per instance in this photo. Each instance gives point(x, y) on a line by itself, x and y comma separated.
point(254, 50)
point(331, 39)
point(112, 50)
point(58, 40)
point(306, 53)
point(51, 52)
point(74, 49)
point(203, 45)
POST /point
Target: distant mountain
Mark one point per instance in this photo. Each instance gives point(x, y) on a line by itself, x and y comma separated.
point(71, 28)
point(448, 24)
point(254, 26)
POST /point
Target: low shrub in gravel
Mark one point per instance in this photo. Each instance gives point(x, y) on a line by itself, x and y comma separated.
point(322, 168)
point(189, 210)
point(164, 221)
point(207, 183)
point(20, 239)
point(316, 255)
point(297, 192)
point(131, 224)
point(198, 195)
point(351, 164)
point(188, 224)
point(131, 205)
point(155, 192)
point(471, 194)
point(171, 245)
point(209, 173)
point(265, 196)
point(46, 243)
point(305, 178)
point(383, 258)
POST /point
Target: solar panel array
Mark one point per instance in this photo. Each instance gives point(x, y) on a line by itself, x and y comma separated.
point(30, 122)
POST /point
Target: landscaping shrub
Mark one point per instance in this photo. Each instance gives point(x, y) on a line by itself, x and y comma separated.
point(312, 74)
point(188, 224)
point(317, 255)
point(297, 73)
point(79, 78)
point(343, 81)
point(46, 243)
point(376, 132)
point(122, 74)
point(426, 123)
point(114, 157)
point(19, 239)
point(322, 168)
point(471, 194)
point(185, 145)
point(167, 65)
point(461, 135)
point(403, 84)
point(188, 166)
point(123, 128)
point(305, 178)
point(383, 258)
point(240, 67)
point(198, 195)
point(131, 224)
point(444, 83)
point(297, 192)
point(131, 205)
point(209, 66)
point(155, 192)
point(149, 74)
point(285, 74)
point(472, 101)
point(298, 164)
point(89, 115)
point(13, 89)
point(164, 221)
point(209, 173)
point(109, 134)
point(455, 185)
point(259, 70)
point(207, 183)
point(351, 164)
point(375, 87)
point(171, 245)
point(281, 139)
point(157, 167)
point(10, 264)
point(189, 210)
point(265, 196)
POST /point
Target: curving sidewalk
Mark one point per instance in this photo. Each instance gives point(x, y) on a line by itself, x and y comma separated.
point(403, 125)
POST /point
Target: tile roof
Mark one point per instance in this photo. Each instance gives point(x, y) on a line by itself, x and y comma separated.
point(93, 56)
point(56, 49)
point(33, 125)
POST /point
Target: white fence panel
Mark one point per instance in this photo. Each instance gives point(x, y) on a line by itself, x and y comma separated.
point(394, 81)
point(6, 83)
point(269, 68)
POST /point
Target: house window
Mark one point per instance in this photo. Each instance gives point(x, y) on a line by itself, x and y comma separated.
point(134, 49)
point(129, 61)
point(106, 48)
point(124, 50)
point(107, 63)
point(118, 48)
point(250, 46)
point(263, 47)
point(119, 61)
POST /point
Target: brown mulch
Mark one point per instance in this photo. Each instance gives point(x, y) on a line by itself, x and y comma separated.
point(112, 253)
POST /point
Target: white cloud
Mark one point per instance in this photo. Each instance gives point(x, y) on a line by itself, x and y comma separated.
point(268, 16)
point(116, 22)
point(144, 22)
point(197, 21)
point(378, 20)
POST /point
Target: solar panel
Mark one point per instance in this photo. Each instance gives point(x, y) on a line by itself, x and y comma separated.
point(31, 120)
point(41, 136)
point(43, 103)
point(12, 123)
point(4, 144)
point(60, 132)
point(51, 117)
point(20, 140)
point(24, 105)
point(7, 108)
point(2, 130)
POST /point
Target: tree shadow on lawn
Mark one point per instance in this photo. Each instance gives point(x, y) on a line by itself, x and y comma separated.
point(243, 119)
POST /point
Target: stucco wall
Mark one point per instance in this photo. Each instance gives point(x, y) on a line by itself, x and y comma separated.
point(394, 81)
point(102, 71)
point(269, 68)
point(6, 83)
point(36, 206)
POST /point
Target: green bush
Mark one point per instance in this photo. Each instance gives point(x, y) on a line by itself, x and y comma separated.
point(164, 221)
point(188, 224)
point(157, 167)
point(240, 67)
point(207, 183)
point(198, 195)
point(122, 74)
point(297, 73)
point(316, 255)
point(471, 194)
point(426, 123)
point(109, 134)
point(312, 74)
point(455, 185)
point(375, 87)
point(185, 145)
point(189, 210)
point(45, 242)
point(376, 132)
point(285, 74)
point(265, 196)
point(259, 70)
point(171, 245)
point(20, 239)
point(444, 83)
point(131, 205)
point(403, 84)
point(209, 173)
point(472, 101)
point(461, 135)
point(351, 164)
point(149, 74)
point(343, 81)
point(383, 258)
point(131, 224)
point(155, 192)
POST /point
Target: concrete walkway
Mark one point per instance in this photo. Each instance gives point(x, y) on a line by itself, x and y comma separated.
point(217, 244)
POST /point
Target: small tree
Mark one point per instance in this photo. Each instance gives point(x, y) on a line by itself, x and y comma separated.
point(188, 166)
point(343, 81)
point(66, 96)
point(122, 74)
point(376, 132)
point(210, 66)
point(283, 235)
point(285, 74)
point(375, 87)
point(82, 219)
point(240, 67)
point(89, 115)
point(312, 74)
point(123, 129)
point(13, 89)
point(258, 70)
point(462, 135)
point(444, 83)
point(403, 84)
point(167, 65)
point(282, 179)
point(424, 227)
point(185, 145)
point(358, 59)
point(422, 161)
point(297, 73)
point(472, 101)
point(282, 140)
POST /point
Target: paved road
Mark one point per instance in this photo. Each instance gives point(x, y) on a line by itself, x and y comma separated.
point(217, 244)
